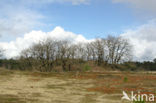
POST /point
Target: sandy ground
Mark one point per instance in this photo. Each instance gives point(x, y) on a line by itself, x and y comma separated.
point(23, 87)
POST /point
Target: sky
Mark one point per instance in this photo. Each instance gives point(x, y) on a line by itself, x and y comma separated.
point(24, 22)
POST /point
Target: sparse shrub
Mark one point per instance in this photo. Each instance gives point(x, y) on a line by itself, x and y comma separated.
point(125, 79)
point(87, 67)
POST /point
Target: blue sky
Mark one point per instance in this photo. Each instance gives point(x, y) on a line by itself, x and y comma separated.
point(24, 21)
point(94, 19)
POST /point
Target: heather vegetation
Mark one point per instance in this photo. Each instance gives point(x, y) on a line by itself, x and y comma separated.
point(70, 87)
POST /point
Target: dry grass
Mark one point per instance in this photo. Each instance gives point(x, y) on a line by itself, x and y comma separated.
point(87, 87)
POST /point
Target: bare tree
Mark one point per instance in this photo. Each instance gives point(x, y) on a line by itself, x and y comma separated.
point(89, 51)
point(119, 49)
point(48, 53)
point(99, 46)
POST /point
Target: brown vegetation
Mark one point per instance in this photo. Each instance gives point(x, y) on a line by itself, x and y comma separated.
point(67, 87)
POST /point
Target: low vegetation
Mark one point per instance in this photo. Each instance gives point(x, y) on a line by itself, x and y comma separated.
point(84, 87)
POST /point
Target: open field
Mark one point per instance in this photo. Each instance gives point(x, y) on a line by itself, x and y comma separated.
point(106, 87)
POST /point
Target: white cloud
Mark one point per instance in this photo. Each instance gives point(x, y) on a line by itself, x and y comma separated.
point(16, 24)
point(143, 38)
point(17, 19)
point(13, 48)
point(20, 16)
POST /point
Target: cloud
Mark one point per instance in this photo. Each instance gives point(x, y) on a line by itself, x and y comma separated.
point(16, 24)
point(143, 38)
point(13, 48)
point(139, 4)
point(20, 16)
point(16, 19)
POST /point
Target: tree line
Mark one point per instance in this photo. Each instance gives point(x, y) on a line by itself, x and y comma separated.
point(52, 55)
